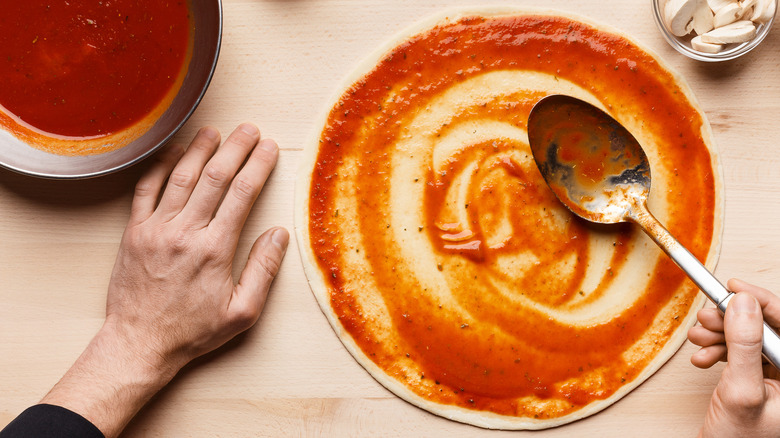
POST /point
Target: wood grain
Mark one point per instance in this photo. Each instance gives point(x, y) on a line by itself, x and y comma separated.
point(281, 61)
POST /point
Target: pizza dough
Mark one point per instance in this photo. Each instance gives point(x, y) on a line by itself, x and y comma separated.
point(444, 263)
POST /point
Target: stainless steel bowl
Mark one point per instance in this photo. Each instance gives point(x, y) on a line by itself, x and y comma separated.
point(683, 44)
point(207, 23)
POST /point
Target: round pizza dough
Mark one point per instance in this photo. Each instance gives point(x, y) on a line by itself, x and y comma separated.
point(445, 265)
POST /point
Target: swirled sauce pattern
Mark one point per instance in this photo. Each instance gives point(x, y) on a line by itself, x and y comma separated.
point(450, 263)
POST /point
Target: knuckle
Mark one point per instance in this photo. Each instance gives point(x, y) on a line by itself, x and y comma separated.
point(267, 157)
point(215, 175)
point(182, 179)
point(214, 249)
point(145, 188)
point(202, 147)
point(244, 189)
point(179, 240)
point(269, 266)
point(242, 139)
point(748, 338)
point(138, 241)
point(238, 141)
point(134, 238)
point(245, 316)
point(747, 401)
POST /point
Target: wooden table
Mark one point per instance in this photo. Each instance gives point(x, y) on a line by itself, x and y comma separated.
point(281, 62)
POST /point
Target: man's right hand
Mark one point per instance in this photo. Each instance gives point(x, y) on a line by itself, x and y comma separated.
point(746, 402)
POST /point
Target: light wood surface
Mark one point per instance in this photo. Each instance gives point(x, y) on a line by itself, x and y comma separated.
point(281, 61)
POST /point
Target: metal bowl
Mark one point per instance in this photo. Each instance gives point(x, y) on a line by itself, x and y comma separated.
point(683, 44)
point(206, 15)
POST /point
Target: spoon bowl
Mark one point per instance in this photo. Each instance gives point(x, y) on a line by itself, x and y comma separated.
point(589, 160)
point(598, 170)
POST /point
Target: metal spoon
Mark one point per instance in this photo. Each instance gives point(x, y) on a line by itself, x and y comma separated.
point(600, 172)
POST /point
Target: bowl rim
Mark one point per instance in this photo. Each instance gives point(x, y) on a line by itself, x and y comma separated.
point(162, 142)
point(762, 30)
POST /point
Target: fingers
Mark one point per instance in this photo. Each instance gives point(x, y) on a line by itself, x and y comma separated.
point(743, 329)
point(149, 187)
point(710, 319)
point(265, 257)
point(704, 338)
point(246, 187)
point(185, 175)
point(709, 356)
point(708, 335)
point(770, 303)
point(219, 172)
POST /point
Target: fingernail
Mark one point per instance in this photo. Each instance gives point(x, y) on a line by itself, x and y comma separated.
point(743, 303)
point(280, 237)
point(268, 145)
point(249, 129)
point(210, 133)
point(736, 284)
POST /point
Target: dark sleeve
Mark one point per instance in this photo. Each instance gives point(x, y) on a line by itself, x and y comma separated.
point(50, 421)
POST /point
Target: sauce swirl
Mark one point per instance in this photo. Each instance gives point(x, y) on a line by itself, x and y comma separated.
point(450, 263)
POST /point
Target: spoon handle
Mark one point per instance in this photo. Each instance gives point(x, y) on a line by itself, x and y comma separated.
point(712, 288)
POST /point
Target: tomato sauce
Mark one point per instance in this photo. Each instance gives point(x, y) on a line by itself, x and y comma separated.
point(501, 351)
point(583, 153)
point(89, 68)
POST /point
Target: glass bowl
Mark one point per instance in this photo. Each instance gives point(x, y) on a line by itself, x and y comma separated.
point(683, 44)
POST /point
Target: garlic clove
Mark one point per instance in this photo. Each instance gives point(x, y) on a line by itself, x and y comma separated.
point(701, 46)
point(738, 32)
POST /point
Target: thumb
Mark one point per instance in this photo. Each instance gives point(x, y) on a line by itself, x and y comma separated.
point(265, 258)
point(743, 325)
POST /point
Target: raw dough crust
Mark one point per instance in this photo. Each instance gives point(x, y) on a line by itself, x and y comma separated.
point(320, 280)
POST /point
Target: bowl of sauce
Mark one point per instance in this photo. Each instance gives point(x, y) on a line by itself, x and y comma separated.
point(91, 87)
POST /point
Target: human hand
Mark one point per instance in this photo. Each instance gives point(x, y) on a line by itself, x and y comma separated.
point(172, 296)
point(172, 291)
point(746, 401)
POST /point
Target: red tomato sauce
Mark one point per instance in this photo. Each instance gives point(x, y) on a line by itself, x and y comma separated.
point(89, 68)
point(461, 361)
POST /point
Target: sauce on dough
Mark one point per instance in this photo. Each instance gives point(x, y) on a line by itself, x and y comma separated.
point(477, 343)
point(89, 68)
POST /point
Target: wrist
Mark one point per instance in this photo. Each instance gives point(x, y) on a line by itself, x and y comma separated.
point(139, 356)
point(112, 379)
